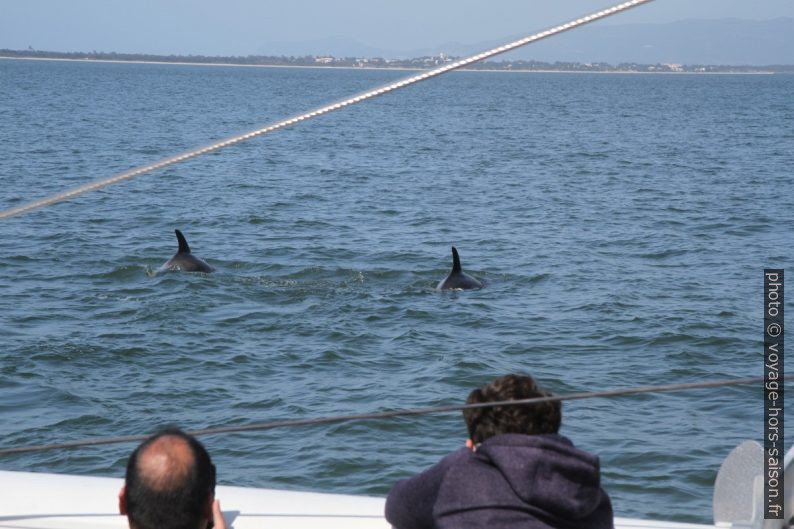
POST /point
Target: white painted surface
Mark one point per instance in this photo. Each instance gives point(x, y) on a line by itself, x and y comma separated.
point(55, 501)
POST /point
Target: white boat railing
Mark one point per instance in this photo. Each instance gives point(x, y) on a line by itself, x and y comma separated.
point(55, 501)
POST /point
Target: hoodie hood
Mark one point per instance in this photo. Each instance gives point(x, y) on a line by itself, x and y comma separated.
point(547, 472)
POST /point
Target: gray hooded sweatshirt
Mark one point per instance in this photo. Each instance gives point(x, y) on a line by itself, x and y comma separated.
point(512, 480)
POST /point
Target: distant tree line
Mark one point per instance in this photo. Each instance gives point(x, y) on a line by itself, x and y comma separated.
point(426, 62)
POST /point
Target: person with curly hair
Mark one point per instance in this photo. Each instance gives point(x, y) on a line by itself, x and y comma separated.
point(515, 471)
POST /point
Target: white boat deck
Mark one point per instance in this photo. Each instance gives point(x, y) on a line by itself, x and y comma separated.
point(54, 501)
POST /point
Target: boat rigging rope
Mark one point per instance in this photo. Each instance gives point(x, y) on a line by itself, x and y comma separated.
point(396, 413)
point(126, 175)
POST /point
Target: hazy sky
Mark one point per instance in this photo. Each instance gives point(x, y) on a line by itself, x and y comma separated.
point(242, 27)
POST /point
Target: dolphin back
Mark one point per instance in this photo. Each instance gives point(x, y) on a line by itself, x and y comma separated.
point(457, 279)
point(183, 260)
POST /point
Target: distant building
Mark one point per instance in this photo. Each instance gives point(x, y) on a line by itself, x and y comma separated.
point(324, 60)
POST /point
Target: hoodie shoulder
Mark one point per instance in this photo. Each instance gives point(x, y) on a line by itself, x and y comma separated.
point(410, 502)
point(536, 481)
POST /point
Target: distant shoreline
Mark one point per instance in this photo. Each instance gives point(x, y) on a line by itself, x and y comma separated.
point(418, 64)
point(383, 68)
point(486, 70)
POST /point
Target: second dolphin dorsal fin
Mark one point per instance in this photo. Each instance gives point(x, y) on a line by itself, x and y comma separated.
point(183, 246)
point(455, 260)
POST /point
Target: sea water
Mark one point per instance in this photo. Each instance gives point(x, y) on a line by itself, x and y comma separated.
point(621, 224)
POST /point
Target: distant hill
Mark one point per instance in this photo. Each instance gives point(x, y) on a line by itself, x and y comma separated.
point(724, 41)
point(336, 46)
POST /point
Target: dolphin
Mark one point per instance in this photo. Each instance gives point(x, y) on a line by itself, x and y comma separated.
point(184, 260)
point(457, 279)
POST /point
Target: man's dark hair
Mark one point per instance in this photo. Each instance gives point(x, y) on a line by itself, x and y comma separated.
point(544, 417)
point(174, 497)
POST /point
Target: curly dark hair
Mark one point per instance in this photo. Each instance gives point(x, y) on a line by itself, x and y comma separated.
point(544, 417)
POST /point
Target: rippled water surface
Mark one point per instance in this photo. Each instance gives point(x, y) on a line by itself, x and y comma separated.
point(621, 223)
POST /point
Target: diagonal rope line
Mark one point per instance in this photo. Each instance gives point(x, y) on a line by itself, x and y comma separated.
point(396, 413)
point(126, 175)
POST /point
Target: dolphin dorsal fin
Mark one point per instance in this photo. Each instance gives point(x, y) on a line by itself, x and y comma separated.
point(183, 247)
point(455, 260)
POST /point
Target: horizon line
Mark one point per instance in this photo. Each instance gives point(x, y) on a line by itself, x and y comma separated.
point(399, 64)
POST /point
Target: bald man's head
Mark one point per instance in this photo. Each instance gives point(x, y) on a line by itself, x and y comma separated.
point(170, 483)
point(166, 463)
